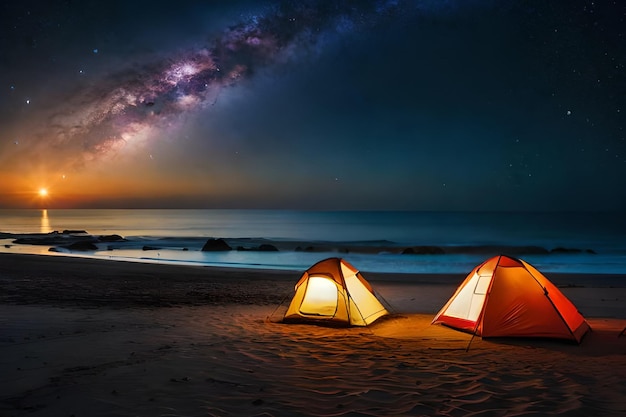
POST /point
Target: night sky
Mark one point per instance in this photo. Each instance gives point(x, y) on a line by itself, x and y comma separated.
point(411, 105)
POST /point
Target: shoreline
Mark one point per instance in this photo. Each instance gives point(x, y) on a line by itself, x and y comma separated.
point(27, 262)
point(88, 282)
point(296, 255)
point(69, 241)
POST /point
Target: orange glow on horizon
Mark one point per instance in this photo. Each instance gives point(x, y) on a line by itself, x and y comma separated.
point(104, 185)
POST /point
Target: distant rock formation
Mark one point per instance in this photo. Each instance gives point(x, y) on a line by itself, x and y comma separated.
point(423, 250)
point(216, 245)
point(475, 250)
point(314, 249)
point(565, 250)
point(265, 247)
point(572, 250)
point(82, 246)
point(111, 238)
point(495, 250)
point(51, 239)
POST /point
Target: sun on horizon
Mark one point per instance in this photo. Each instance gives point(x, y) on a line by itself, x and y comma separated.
point(43, 192)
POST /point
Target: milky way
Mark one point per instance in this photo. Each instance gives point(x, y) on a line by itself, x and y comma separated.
point(133, 103)
point(521, 100)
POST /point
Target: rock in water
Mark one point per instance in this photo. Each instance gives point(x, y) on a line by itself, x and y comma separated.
point(216, 245)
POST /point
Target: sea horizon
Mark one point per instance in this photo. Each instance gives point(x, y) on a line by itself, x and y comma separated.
point(575, 242)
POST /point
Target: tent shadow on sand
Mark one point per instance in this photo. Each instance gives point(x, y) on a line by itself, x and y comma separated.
point(602, 340)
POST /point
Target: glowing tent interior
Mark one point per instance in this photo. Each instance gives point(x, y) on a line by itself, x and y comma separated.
point(333, 291)
point(507, 297)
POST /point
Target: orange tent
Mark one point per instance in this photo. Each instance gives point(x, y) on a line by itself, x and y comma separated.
point(507, 297)
point(333, 291)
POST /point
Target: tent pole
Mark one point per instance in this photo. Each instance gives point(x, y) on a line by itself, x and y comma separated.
point(357, 309)
point(470, 342)
point(485, 301)
point(480, 317)
point(547, 295)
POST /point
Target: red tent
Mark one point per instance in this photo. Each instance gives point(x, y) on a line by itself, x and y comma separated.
point(507, 297)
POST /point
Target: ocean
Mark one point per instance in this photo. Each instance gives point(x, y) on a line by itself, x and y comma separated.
point(584, 242)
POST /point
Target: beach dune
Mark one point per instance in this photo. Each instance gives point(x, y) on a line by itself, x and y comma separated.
point(98, 338)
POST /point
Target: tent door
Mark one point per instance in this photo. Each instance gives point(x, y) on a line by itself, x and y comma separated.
point(320, 298)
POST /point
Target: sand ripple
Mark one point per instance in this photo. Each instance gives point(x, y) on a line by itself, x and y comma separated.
point(229, 361)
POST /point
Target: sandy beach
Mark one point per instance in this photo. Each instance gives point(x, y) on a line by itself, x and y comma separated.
point(84, 337)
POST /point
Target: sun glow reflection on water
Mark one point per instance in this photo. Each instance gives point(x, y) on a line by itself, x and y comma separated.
point(45, 222)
